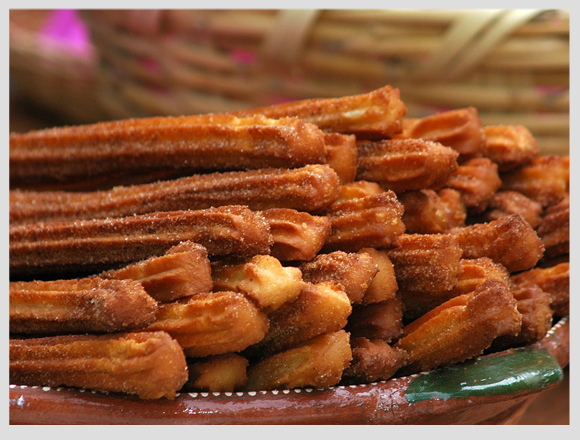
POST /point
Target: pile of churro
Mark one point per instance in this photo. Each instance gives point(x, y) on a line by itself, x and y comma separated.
point(313, 243)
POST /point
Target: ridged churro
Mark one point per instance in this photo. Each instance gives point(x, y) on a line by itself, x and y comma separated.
point(510, 241)
point(383, 320)
point(318, 362)
point(426, 262)
point(432, 212)
point(372, 360)
point(504, 203)
point(148, 364)
point(262, 278)
point(373, 115)
point(188, 144)
point(102, 244)
point(212, 323)
point(476, 180)
point(459, 129)
point(370, 221)
point(217, 374)
point(311, 188)
point(320, 308)
point(509, 146)
point(297, 235)
point(460, 328)
point(406, 164)
point(353, 271)
point(78, 306)
point(184, 270)
point(554, 229)
point(342, 155)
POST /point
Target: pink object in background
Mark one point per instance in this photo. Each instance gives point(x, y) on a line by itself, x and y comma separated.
point(64, 29)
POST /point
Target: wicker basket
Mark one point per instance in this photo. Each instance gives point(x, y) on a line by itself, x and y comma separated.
point(512, 65)
point(55, 73)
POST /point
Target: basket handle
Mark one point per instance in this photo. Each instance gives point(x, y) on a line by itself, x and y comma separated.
point(284, 44)
point(470, 39)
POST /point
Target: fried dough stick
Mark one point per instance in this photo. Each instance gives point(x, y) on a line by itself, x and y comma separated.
point(546, 179)
point(371, 221)
point(509, 146)
point(555, 280)
point(373, 115)
point(342, 155)
point(426, 262)
point(459, 129)
point(383, 320)
point(476, 180)
point(534, 305)
point(372, 360)
point(319, 363)
point(460, 328)
point(262, 278)
point(554, 230)
point(510, 241)
point(432, 212)
point(79, 306)
point(297, 235)
point(186, 144)
point(320, 308)
point(212, 323)
point(472, 273)
point(311, 188)
point(353, 271)
point(384, 285)
point(91, 245)
point(217, 374)
point(406, 164)
point(504, 203)
point(148, 364)
point(183, 271)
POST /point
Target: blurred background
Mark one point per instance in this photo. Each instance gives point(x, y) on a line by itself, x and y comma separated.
point(81, 66)
point(84, 66)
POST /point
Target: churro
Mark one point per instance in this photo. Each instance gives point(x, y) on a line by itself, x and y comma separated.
point(211, 323)
point(373, 115)
point(184, 270)
point(102, 244)
point(311, 188)
point(78, 306)
point(296, 235)
point(406, 164)
point(148, 364)
point(510, 241)
point(509, 146)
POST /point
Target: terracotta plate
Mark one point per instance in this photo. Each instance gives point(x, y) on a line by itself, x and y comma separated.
point(492, 389)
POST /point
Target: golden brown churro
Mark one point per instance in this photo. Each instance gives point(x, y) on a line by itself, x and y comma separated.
point(432, 212)
point(459, 129)
point(188, 144)
point(262, 278)
point(371, 221)
point(554, 229)
point(217, 374)
point(183, 271)
point(504, 203)
point(460, 328)
point(372, 360)
point(476, 180)
point(342, 155)
point(426, 262)
point(383, 320)
point(318, 362)
point(297, 235)
point(79, 306)
point(212, 323)
point(546, 179)
point(510, 241)
point(320, 308)
point(148, 364)
point(102, 244)
point(311, 188)
point(384, 285)
point(353, 271)
point(373, 115)
point(406, 164)
point(509, 146)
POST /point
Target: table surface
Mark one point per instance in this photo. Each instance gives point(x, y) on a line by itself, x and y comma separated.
point(551, 407)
